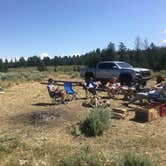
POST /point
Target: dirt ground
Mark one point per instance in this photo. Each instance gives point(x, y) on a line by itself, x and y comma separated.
point(26, 109)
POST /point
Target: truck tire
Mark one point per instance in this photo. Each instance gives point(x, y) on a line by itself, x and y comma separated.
point(103, 82)
point(142, 82)
point(88, 75)
point(125, 79)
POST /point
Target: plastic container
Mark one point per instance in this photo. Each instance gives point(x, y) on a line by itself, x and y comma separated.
point(163, 110)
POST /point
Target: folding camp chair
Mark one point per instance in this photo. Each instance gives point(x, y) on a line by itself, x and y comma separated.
point(69, 90)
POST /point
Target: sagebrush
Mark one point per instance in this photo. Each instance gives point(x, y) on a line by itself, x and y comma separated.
point(133, 159)
point(96, 122)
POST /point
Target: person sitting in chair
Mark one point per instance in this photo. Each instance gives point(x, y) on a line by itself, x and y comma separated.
point(113, 86)
point(90, 85)
point(54, 90)
point(154, 93)
point(130, 90)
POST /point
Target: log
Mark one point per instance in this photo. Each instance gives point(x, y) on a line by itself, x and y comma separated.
point(118, 115)
point(61, 82)
point(120, 110)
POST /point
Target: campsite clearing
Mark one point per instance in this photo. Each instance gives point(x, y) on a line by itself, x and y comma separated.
point(27, 112)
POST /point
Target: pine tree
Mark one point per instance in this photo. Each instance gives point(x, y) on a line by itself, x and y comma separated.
point(41, 66)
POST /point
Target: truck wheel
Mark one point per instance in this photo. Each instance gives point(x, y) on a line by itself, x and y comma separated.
point(142, 82)
point(103, 82)
point(88, 75)
point(125, 79)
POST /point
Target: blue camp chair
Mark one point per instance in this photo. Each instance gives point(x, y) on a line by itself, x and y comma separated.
point(69, 90)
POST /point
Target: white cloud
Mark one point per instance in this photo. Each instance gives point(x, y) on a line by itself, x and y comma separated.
point(75, 53)
point(69, 54)
point(164, 31)
point(164, 42)
point(42, 55)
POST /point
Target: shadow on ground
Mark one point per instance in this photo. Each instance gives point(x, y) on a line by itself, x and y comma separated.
point(44, 104)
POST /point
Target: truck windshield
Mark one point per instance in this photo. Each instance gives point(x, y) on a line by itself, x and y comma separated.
point(124, 65)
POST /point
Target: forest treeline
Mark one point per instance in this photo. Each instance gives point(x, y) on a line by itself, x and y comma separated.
point(143, 55)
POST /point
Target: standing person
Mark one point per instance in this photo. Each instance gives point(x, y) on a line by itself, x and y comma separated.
point(54, 91)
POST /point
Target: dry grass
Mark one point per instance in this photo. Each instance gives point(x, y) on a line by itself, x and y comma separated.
point(47, 141)
point(16, 76)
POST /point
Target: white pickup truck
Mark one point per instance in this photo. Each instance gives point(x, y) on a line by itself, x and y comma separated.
point(105, 70)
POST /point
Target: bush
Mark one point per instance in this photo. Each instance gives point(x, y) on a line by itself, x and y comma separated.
point(82, 158)
point(74, 75)
point(9, 143)
point(75, 130)
point(132, 159)
point(96, 122)
point(55, 69)
point(22, 76)
point(41, 66)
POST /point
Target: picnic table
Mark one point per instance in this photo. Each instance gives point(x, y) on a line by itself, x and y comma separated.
point(61, 82)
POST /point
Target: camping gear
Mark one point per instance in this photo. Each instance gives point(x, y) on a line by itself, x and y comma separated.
point(146, 115)
point(162, 110)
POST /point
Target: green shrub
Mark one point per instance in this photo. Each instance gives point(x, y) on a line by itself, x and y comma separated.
point(96, 122)
point(161, 72)
point(75, 130)
point(83, 157)
point(41, 66)
point(132, 159)
point(9, 143)
point(55, 69)
point(75, 74)
point(22, 76)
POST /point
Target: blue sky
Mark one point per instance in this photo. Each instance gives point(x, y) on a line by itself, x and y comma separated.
point(65, 27)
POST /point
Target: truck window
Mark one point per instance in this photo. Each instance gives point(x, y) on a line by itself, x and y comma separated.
point(106, 65)
point(124, 65)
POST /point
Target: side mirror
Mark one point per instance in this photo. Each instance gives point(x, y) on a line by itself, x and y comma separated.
point(114, 67)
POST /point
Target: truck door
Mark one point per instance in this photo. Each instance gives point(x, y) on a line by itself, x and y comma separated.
point(107, 70)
